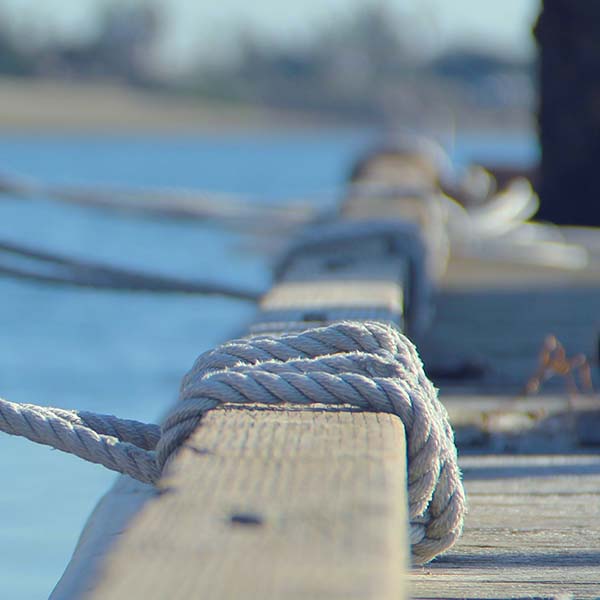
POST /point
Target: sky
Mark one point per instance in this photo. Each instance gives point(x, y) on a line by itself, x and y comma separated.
point(197, 27)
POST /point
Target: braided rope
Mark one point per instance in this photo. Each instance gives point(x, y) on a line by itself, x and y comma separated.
point(117, 444)
point(142, 435)
point(52, 268)
point(369, 365)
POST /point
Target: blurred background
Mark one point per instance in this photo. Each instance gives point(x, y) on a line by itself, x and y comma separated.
point(426, 64)
point(263, 100)
point(397, 62)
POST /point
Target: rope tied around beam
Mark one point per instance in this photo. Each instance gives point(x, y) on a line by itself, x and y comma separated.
point(369, 365)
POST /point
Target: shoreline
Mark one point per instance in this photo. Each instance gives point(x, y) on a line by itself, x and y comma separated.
point(53, 106)
point(34, 105)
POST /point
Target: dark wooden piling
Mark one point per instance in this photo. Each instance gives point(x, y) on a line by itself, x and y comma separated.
point(569, 111)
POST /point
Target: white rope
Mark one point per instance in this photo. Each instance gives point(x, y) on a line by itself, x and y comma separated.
point(501, 229)
point(143, 435)
point(226, 209)
point(368, 365)
point(119, 445)
point(496, 228)
point(486, 224)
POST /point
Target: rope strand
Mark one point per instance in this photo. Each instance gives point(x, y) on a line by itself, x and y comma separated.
point(369, 365)
point(226, 209)
point(53, 268)
point(74, 436)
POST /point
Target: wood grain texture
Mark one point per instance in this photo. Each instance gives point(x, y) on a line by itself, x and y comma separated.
point(314, 301)
point(532, 531)
point(329, 486)
point(272, 503)
point(348, 280)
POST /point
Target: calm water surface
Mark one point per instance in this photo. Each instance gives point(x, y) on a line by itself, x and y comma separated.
point(125, 353)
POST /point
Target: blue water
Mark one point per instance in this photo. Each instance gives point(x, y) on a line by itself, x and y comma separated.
point(125, 353)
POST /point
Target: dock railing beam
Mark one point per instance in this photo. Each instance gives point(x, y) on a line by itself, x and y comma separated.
point(281, 502)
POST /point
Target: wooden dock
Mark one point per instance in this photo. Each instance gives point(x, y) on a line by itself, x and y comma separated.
point(283, 503)
point(311, 503)
point(271, 503)
point(532, 531)
point(532, 528)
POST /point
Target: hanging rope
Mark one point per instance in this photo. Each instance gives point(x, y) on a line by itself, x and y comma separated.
point(490, 224)
point(52, 268)
point(236, 212)
point(369, 365)
point(115, 443)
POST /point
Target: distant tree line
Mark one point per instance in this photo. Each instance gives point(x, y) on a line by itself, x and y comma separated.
point(359, 66)
point(121, 49)
point(364, 66)
point(13, 59)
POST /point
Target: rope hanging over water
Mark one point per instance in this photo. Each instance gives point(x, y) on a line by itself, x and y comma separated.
point(236, 212)
point(496, 226)
point(369, 365)
point(46, 267)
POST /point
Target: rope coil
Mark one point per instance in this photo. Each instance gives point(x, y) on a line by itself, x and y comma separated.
point(369, 365)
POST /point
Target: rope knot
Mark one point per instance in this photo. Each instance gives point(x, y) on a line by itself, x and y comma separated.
point(369, 365)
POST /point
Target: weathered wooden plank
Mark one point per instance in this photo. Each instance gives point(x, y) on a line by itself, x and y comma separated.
point(272, 503)
point(109, 519)
point(312, 300)
point(475, 273)
point(352, 293)
point(359, 525)
point(525, 424)
point(532, 531)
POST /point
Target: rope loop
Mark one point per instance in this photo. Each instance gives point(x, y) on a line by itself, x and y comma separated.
point(365, 364)
point(369, 365)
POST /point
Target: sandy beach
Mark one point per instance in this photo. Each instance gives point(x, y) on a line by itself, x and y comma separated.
point(42, 105)
point(38, 105)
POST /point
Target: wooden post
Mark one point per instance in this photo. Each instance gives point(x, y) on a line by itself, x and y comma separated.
point(272, 503)
point(569, 111)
